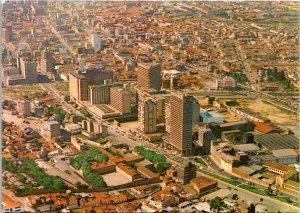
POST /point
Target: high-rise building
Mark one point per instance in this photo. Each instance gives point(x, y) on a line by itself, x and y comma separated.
point(160, 108)
point(81, 64)
point(78, 86)
point(97, 75)
point(149, 76)
point(28, 70)
point(186, 173)
point(96, 42)
point(24, 107)
point(167, 117)
point(196, 111)
point(99, 94)
point(120, 99)
point(147, 116)
point(181, 121)
point(46, 62)
point(51, 129)
point(205, 138)
point(5, 35)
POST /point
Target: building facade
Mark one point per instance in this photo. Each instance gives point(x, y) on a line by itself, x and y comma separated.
point(28, 70)
point(96, 42)
point(99, 94)
point(78, 87)
point(147, 116)
point(51, 129)
point(149, 76)
point(120, 99)
point(181, 120)
point(24, 107)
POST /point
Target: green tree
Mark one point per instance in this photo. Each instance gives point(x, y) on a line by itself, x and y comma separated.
point(216, 203)
point(85, 112)
point(66, 98)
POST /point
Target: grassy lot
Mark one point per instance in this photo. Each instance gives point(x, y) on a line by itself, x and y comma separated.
point(201, 161)
point(232, 182)
point(19, 92)
point(100, 140)
point(62, 88)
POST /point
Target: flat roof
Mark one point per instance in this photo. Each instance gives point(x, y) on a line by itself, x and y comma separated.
point(246, 170)
point(277, 141)
point(284, 152)
point(77, 75)
point(247, 147)
point(205, 115)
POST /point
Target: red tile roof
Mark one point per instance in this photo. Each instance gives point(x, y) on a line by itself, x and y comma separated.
point(262, 127)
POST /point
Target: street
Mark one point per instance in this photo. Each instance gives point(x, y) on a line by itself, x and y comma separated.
point(67, 107)
point(116, 135)
point(21, 200)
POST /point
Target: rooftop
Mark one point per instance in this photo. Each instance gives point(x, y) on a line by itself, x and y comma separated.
point(284, 153)
point(277, 141)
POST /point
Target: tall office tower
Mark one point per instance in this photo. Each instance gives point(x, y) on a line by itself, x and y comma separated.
point(149, 76)
point(97, 75)
point(96, 42)
point(5, 35)
point(196, 111)
point(147, 116)
point(161, 105)
point(186, 173)
point(181, 120)
point(81, 64)
point(46, 61)
point(78, 86)
point(99, 94)
point(120, 99)
point(205, 138)
point(10, 32)
point(167, 117)
point(28, 71)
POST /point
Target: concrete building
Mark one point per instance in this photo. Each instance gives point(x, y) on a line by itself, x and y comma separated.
point(147, 116)
point(149, 76)
point(78, 86)
point(96, 75)
point(186, 173)
point(120, 99)
point(93, 126)
point(226, 83)
point(196, 111)
point(24, 107)
point(28, 70)
point(181, 120)
point(96, 42)
point(51, 129)
point(167, 117)
point(160, 108)
point(81, 64)
point(5, 35)
point(209, 117)
point(99, 94)
point(205, 138)
point(46, 62)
